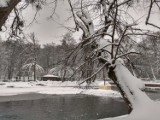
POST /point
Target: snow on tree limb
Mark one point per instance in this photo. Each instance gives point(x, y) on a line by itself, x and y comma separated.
point(30, 66)
point(131, 85)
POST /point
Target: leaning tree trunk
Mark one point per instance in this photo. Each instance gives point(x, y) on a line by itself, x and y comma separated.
point(113, 77)
point(5, 11)
point(130, 87)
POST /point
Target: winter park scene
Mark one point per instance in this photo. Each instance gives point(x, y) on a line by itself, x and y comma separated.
point(79, 59)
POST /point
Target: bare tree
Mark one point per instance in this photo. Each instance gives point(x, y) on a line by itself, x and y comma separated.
point(117, 31)
point(32, 66)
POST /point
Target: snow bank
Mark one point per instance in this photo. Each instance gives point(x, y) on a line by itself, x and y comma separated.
point(100, 92)
point(69, 83)
point(51, 84)
point(58, 91)
point(51, 87)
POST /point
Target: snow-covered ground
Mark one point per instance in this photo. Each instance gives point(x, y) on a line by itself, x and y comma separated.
point(52, 87)
point(51, 84)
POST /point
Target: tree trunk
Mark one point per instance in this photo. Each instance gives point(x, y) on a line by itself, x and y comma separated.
point(5, 11)
point(34, 71)
point(154, 77)
point(112, 76)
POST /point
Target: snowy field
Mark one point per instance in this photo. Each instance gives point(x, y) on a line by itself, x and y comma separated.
point(52, 87)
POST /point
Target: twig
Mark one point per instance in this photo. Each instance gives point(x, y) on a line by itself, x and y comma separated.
point(148, 16)
point(122, 36)
point(126, 54)
point(74, 17)
point(114, 27)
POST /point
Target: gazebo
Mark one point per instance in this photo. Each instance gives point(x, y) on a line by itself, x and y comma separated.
point(50, 77)
point(63, 72)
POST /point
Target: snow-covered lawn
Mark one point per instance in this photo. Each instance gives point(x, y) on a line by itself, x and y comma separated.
point(51, 87)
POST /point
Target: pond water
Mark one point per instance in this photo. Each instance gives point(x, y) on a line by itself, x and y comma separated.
point(63, 107)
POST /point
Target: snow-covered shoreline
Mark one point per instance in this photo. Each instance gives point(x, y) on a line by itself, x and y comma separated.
point(51, 88)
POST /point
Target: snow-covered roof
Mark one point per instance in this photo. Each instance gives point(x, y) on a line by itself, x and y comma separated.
point(49, 75)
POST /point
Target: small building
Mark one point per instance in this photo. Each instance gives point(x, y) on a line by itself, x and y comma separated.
point(50, 77)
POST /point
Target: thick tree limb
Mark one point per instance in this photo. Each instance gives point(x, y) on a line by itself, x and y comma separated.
point(5, 11)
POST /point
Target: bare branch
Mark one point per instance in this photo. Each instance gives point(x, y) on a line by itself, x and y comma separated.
point(95, 73)
point(114, 28)
point(126, 54)
point(122, 36)
point(149, 14)
point(74, 18)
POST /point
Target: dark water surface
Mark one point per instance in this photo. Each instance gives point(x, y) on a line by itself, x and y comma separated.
point(63, 107)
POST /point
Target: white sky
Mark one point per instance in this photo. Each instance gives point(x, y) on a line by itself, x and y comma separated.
point(47, 31)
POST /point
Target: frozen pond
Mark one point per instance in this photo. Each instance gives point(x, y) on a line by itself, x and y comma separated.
point(63, 107)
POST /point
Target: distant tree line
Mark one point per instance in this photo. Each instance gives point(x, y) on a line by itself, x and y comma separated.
point(147, 63)
point(14, 54)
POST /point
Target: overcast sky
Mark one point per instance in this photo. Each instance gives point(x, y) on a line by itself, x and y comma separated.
point(46, 31)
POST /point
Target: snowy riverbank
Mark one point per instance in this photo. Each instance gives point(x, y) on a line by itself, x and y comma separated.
point(52, 88)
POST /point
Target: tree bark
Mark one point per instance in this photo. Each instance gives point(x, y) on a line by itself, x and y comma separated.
point(5, 11)
point(34, 71)
point(112, 76)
